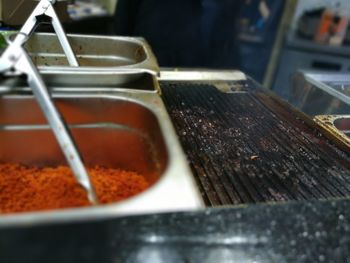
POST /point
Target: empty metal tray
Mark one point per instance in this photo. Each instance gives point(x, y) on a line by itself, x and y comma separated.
point(117, 129)
point(103, 60)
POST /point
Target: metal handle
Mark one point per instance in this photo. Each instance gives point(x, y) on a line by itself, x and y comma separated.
point(45, 7)
point(57, 124)
point(16, 58)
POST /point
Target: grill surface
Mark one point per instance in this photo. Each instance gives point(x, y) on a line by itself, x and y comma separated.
point(247, 147)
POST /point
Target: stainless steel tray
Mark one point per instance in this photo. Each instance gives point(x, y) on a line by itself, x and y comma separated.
point(103, 60)
point(117, 128)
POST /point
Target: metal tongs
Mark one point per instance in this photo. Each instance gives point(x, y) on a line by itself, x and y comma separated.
point(16, 61)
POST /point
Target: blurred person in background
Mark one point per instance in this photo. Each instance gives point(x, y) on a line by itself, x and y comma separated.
point(184, 33)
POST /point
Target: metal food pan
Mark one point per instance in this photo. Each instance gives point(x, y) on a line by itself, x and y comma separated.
point(124, 130)
point(103, 60)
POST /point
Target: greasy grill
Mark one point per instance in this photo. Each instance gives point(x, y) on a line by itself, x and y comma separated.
point(247, 147)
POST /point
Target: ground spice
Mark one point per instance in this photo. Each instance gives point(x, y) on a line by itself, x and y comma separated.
point(25, 188)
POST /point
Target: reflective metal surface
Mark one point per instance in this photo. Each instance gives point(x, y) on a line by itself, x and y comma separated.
point(321, 93)
point(201, 75)
point(117, 128)
point(103, 60)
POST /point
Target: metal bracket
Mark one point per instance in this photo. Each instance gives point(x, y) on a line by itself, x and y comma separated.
point(45, 7)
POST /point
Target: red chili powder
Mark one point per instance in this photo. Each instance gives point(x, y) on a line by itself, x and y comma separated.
point(24, 189)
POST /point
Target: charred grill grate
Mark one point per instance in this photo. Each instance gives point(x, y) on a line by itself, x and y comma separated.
point(246, 147)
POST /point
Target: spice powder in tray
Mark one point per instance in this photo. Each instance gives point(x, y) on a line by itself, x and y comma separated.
point(24, 189)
